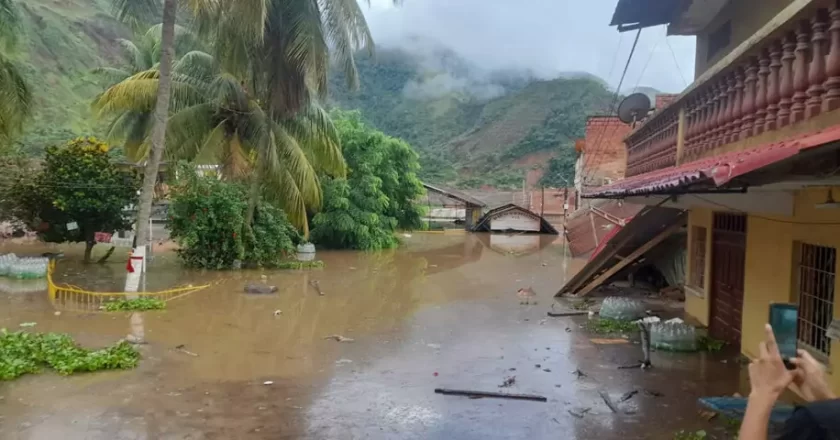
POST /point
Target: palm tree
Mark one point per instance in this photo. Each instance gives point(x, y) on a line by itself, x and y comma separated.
point(281, 47)
point(15, 95)
point(216, 120)
point(131, 128)
point(135, 12)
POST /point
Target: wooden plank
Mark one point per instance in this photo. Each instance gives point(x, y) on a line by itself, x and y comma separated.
point(630, 258)
point(592, 225)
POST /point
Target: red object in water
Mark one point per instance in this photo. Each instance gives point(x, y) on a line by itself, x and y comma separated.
point(129, 267)
point(436, 373)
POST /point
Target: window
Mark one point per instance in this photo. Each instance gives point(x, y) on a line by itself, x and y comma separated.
point(698, 257)
point(815, 288)
point(719, 40)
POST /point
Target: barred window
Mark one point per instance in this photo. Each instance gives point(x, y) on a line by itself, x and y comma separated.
point(815, 289)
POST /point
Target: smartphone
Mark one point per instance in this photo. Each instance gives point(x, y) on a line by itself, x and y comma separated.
point(784, 321)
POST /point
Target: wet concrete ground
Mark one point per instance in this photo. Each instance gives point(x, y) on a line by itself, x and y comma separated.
point(439, 312)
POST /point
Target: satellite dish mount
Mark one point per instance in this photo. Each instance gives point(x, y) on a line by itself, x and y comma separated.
point(634, 108)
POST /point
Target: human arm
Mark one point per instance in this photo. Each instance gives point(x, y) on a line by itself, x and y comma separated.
point(768, 379)
point(810, 378)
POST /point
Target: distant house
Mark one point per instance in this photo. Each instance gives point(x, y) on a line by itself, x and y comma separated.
point(513, 218)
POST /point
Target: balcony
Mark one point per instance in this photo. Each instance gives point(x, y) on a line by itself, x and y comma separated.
point(782, 82)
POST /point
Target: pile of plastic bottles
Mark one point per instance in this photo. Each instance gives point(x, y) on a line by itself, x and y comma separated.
point(673, 336)
point(23, 268)
point(624, 309)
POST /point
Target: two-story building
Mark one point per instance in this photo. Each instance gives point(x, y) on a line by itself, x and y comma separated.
point(750, 149)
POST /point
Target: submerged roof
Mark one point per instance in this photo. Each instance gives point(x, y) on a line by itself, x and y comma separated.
point(455, 194)
point(483, 224)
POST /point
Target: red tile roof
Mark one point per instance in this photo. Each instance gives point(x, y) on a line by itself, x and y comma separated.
point(720, 169)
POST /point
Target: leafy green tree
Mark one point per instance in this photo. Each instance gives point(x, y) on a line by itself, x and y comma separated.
point(282, 48)
point(15, 94)
point(206, 220)
point(378, 196)
point(78, 192)
point(217, 120)
point(561, 170)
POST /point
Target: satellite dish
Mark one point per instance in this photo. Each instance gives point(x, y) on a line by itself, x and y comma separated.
point(633, 108)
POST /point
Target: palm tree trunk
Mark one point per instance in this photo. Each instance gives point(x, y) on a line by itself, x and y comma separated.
point(161, 115)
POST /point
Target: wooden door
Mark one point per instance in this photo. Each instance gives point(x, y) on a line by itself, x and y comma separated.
point(729, 243)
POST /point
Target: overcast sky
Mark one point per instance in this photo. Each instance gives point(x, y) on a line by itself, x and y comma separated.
point(545, 36)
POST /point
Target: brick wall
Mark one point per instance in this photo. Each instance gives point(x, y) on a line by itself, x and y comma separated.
point(604, 154)
point(664, 100)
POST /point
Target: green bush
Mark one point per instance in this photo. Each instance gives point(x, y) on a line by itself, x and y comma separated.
point(136, 304)
point(206, 219)
point(377, 198)
point(26, 353)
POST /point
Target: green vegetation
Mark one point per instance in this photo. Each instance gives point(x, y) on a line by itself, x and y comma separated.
point(686, 435)
point(609, 326)
point(705, 343)
point(207, 217)
point(471, 140)
point(26, 353)
point(364, 210)
point(15, 94)
point(583, 304)
point(78, 192)
point(318, 264)
point(136, 305)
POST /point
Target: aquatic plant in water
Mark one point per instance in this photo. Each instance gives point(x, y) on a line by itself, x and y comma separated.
point(27, 353)
point(318, 264)
point(136, 305)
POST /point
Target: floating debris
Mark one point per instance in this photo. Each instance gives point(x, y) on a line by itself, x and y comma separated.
point(509, 381)
point(340, 338)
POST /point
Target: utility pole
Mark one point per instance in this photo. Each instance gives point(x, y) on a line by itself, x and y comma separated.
point(542, 201)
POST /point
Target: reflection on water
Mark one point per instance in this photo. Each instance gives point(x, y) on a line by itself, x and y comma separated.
point(441, 304)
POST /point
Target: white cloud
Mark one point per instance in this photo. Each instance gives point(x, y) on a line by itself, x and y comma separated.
point(546, 37)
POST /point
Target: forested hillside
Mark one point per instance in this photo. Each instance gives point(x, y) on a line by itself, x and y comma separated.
point(64, 41)
point(471, 127)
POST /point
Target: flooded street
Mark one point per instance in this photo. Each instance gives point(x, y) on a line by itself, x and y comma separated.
point(440, 312)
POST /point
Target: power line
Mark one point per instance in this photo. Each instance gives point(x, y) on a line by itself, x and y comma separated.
point(674, 56)
point(587, 159)
point(740, 211)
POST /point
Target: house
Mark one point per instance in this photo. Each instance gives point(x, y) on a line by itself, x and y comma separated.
point(750, 151)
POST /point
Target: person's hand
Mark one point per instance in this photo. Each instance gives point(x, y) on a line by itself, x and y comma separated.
point(768, 375)
point(810, 378)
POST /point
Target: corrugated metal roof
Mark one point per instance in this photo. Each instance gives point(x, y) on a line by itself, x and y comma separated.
point(642, 228)
point(586, 228)
point(484, 225)
point(719, 169)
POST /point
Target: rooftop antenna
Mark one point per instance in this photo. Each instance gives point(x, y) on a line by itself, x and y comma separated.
point(634, 108)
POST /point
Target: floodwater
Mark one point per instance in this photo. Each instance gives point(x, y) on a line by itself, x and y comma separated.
point(440, 312)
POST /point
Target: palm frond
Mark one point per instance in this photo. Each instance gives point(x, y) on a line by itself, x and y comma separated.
point(187, 130)
point(112, 75)
point(319, 138)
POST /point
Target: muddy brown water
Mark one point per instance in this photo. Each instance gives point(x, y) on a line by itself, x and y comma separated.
point(441, 311)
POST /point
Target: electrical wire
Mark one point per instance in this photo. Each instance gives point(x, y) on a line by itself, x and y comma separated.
point(612, 109)
point(674, 56)
point(740, 211)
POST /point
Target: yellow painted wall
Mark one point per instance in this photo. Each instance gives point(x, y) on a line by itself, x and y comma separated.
point(697, 300)
point(770, 264)
point(746, 16)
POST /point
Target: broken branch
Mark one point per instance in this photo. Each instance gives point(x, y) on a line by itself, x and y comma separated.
point(480, 394)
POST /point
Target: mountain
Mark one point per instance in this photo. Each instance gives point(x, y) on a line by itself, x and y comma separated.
point(472, 127)
point(64, 40)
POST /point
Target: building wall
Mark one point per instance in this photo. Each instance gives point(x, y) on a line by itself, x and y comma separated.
point(697, 300)
point(604, 157)
point(515, 220)
point(746, 17)
point(770, 266)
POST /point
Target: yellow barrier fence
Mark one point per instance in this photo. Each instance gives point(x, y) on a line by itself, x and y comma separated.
point(73, 298)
